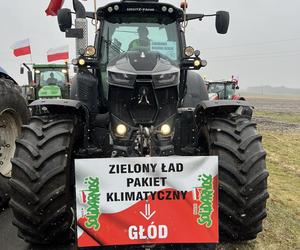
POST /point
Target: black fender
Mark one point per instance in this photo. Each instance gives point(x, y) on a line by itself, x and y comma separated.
point(4, 74)
point(221, 108)
point(64, 106)
point(60, 106)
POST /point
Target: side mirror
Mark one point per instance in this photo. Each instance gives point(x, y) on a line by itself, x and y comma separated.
point(22, 70)
point(222, 22)
point(237, 87)
point(64, 18)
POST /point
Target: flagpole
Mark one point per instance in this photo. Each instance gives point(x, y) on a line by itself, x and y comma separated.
point(95, 10)
point(31, 58)
point(30, 53)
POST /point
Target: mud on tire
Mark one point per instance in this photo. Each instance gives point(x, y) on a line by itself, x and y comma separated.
point(41, 198)
point(13, 110)
point(242, 176)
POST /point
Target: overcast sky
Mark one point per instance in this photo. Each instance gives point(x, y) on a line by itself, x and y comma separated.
point(262, 45)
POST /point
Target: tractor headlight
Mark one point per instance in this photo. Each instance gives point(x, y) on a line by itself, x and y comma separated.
point(90, 51)
point(166, 79)
point(121, 130)
point(189, 51)
point(81, 62)
point(165, 129)
point(120, 78)
point(197, 63)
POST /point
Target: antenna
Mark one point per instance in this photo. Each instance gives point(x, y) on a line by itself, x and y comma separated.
point(184, 6)
point(96, 20)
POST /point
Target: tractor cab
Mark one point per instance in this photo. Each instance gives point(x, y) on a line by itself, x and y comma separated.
point(140, 65)
point(150, 41)
point(223, 90)
point(47, 81)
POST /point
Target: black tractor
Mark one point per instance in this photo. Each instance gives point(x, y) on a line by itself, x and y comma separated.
point(13, 113)
point(135, 94)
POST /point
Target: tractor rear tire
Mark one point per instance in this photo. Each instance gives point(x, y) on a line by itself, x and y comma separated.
point(4, 191)
point(242, 175)
point(13, 112)
point(41, 183)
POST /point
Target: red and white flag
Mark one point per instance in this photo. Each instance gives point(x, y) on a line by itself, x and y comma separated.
point(235, 78)
point(60, 53)
point(54, 7)
point(21, 48)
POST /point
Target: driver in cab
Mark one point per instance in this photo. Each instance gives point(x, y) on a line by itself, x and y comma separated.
point(142, 42)
point(51, 79)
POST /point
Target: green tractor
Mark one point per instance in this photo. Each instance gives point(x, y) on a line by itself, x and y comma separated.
point(135, 98)
point(48, 81)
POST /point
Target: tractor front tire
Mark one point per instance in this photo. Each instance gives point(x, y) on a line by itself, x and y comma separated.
point(13, 112)
point(41, 195)
point(242, 175)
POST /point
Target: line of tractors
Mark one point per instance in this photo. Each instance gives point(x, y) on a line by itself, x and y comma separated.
point(116, 102)
point(14, 111)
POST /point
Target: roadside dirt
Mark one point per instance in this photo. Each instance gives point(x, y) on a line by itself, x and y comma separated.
point(265, 123)
point(276, 114)
point(275, 104)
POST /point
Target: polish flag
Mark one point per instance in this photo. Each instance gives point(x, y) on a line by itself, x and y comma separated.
point(61, 53)
point(54, 7)
point(21, 48)
point(235, 78)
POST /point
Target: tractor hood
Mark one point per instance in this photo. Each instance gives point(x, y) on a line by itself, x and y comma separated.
point(126, 68)
point(51, 91)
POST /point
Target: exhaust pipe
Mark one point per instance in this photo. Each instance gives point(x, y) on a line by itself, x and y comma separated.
point(80, 23)
point(29, 74)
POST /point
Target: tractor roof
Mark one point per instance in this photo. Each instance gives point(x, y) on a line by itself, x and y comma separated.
point(221, 82)
point(116, 10)
point(49, 66)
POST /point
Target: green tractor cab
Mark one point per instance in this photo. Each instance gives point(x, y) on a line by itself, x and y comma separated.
point(46, 81)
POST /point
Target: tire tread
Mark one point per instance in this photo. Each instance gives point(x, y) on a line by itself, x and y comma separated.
point(39, 191)
point(243, 176)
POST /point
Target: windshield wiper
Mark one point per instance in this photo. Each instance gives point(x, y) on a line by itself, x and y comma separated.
point(114, 46)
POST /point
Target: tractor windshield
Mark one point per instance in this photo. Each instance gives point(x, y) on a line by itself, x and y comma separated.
point(136, 36)
point(224, 90)
point(51, 77)
point(229, 91)
point(130, 34)
point(215, 87)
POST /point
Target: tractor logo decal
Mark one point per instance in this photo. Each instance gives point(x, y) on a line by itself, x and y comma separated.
point(90, 197)
point(204, 194)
